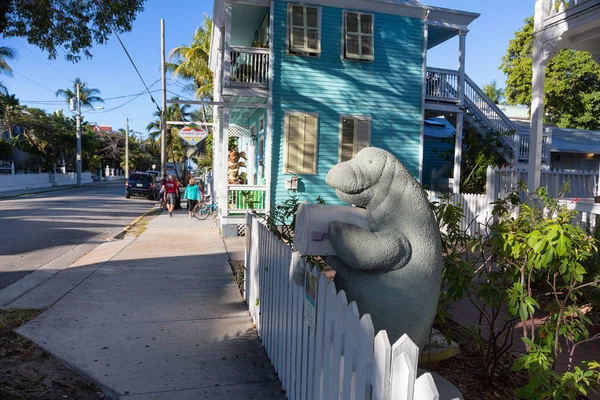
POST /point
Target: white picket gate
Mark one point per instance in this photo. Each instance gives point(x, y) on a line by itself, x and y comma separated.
point(341, 358)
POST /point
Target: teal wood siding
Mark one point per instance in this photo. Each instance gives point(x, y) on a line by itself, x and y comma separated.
point(432, 157)
point(387, 89)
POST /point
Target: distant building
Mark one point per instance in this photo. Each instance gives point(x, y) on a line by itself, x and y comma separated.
point(102, 128)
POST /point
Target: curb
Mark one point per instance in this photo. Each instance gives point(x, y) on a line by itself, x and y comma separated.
point(121, 235)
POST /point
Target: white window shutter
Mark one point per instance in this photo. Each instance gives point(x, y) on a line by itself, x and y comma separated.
point(301, 132)
point(292, 142)
point(310, 145)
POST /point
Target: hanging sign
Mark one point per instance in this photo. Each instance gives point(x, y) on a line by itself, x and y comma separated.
point(192, 134)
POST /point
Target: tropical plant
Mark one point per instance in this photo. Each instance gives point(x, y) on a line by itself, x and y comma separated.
point(174, 147)
point(191, 62)
point(572, 89)
point(528, 260)
point(6, 53)
point(71, 25)
point(10, 111)
point(88, 96)
point(493, 92)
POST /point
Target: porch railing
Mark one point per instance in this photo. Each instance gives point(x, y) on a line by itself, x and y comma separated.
point(557, 7)
point(523, 150)
point(441, 84)
point(249, 66)
point(243, 198)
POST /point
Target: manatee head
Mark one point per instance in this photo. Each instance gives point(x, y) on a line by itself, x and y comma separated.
point(354, 180)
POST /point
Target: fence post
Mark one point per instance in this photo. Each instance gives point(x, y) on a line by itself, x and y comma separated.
point(490, 186)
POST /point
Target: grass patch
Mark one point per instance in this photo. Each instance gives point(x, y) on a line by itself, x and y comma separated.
point(237, 267)
point(142, 224)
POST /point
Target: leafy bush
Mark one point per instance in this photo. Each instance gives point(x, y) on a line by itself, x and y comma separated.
point(531, 244)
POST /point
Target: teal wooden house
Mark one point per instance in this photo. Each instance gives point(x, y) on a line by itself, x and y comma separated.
point(305, 85)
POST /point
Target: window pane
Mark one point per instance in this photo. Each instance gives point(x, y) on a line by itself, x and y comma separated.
point(297, 16)
point(347, 152)
point(298, 38)
point(362, 135)
point(352, 44)
point(312, 39)
point(348, 131)
point(366, 23)
point(367, 45)
point(352, 22)
point(312, 17)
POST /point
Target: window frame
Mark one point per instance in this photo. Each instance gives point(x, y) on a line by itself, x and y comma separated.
point(360, 57)
point(261, 124)
point(287, 114)
point(355, 117)
point(289, 42)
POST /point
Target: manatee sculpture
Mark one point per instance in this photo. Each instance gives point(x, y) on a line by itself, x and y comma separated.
point(393, 270)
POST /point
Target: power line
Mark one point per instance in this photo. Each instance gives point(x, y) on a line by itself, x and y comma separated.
point(45, 62)
point(135, 67)
point(104, 98)
point(31, 80)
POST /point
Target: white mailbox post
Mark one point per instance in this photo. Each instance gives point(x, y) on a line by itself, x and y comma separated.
point(312, 224)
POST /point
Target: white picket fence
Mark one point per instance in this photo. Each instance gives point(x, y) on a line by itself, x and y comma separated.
point(339, 357)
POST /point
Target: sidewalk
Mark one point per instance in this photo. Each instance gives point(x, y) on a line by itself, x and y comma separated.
point(23, 192)
point(160, 318)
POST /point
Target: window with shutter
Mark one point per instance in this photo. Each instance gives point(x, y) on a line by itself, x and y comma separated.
point(358, 36)
point(301, 133)
point(304, 30)
point(355, 135)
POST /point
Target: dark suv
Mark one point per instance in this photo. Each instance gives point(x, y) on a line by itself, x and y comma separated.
point(142, 184)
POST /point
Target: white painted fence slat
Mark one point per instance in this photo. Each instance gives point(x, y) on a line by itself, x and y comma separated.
point(349, 352)
point(382, 356)
point(425, 388)
point(403, 379)
point(317, 376)
point(364, 360)
point(330, 309)
point(338, 332)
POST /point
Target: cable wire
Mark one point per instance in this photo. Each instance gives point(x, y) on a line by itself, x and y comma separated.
point(45, 62)
point(31, 80)
point(135, 67)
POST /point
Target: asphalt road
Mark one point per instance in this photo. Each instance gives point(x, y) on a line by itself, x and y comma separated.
point(36, 229)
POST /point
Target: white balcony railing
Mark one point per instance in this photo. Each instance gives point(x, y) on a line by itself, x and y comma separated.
point(249, 66)
point(556, 7)
point(441, 84)
point(244, 198)
point(523, 150)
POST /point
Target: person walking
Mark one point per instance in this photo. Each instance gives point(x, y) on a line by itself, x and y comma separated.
point(161, 194)
point(193, 194)
point(171, 194)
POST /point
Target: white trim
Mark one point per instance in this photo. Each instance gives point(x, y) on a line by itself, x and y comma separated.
point(423, 92)
point(360, 56)
point(287, 114)
point(355, 117)
point(268, 137)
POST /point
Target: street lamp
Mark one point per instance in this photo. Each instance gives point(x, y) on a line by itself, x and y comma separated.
point(78, 135)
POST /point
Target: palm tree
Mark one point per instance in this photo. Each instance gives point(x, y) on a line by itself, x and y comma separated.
point(88, 96)
point(10, 109)
point(191, 62)
point(175, 149)
point(6, 53)
point(494, 92)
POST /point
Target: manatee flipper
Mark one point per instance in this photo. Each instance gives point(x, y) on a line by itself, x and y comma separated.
point(362, 249)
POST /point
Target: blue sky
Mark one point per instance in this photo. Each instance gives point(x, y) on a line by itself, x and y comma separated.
point(110, 71)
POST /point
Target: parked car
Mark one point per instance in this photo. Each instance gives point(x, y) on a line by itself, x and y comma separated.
point(142, 184)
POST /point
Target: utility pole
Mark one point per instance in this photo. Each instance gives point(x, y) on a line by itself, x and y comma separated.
point(127, 148)
point(163, 114)
point(78, 134)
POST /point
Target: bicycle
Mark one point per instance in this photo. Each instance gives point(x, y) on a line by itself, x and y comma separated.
point(202, 211)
